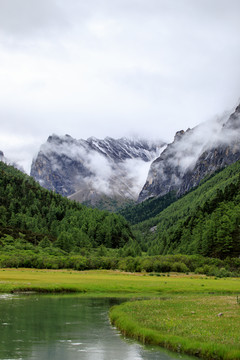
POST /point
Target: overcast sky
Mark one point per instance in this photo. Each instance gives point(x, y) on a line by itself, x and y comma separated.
point(114, 68)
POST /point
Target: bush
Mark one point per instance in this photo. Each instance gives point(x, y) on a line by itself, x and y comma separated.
point(129, 264)
point(207, 270)
point(80, 263)
point(180, 267)
point(223, 273)
point(161, 266)
point(147, 264)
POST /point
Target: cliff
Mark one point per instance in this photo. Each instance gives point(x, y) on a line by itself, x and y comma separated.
point(193, 155)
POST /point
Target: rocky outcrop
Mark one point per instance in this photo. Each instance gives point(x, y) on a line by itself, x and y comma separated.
point(56, 166)
point(226, 151)
point(85, 170)
point(2, 156)
point(193, 155)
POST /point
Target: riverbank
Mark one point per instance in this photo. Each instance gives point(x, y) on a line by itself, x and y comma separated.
point(206, 326)
point(113, 282)
point(195, 314)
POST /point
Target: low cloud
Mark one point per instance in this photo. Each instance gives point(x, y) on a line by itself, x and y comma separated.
point(190, 144)
point(19, 150)
point(116, 66)
point(181, 156)
point(27, 17)
point(87, 167)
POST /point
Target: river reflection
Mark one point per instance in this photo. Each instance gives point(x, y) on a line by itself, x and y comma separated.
point(66, 327)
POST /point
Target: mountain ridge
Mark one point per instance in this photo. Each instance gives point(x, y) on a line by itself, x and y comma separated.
point(192, 155)
point(85, 170)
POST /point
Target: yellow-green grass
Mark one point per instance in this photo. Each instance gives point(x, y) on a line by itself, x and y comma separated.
point(109, 281)
point(202, 325)
point(191, 302)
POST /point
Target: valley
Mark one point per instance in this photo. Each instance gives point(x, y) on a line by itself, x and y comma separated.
point(176, 241)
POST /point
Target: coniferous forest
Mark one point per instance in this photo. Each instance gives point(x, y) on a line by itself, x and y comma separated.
point(199, 232)
point(205, 221)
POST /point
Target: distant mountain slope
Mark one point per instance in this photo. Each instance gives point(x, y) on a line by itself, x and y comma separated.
point(87, 170)
point(194, 154)
point(205, 221)
point(31, 213)
point(2, 157)
point(147, 209)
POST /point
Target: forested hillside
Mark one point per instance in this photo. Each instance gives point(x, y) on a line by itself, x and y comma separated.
point(36, 215)
point(41, 229)
point(205, 221)
point(148, 208)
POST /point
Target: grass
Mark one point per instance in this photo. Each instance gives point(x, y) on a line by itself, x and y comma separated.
point(115, 282)
point(182, 313)
point(190, 324)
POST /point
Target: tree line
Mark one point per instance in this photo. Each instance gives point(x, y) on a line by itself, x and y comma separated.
point(205, 221)
point(36, 213)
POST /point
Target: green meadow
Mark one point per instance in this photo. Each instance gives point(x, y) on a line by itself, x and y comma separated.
point(194, 314)
point(206, 326)
point(113, 282)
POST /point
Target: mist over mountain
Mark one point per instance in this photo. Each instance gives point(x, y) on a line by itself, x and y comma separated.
point(7, 161)
point(86, 170)
point(194, 154)
point(2, 157)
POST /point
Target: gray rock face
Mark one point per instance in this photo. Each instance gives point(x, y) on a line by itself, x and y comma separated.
point(1, 156)
point(87, 169)
point(193, 155)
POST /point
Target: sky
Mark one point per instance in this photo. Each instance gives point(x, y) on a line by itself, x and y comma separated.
point(138, 68)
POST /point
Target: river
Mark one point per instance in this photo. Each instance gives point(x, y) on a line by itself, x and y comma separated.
point(66, 328)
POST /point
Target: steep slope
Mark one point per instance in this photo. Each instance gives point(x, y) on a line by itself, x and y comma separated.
point(204, 221)
point(193, 155)
point(87, 170)
point(147, 209)
point(31, 213)
point(2, 157)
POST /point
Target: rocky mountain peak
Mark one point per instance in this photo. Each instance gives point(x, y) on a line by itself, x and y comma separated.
point(178, 135)
point(192, 155)
point(86, 169)
point(234, 120)
point(55, 139)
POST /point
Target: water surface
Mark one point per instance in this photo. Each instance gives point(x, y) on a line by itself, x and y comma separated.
point(66, 328)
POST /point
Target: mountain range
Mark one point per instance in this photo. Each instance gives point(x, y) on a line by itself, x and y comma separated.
point(127, 170)
point(92, 170)
point(112, 173)
point(188, 205)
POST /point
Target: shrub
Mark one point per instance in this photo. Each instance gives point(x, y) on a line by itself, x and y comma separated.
point(180, 267)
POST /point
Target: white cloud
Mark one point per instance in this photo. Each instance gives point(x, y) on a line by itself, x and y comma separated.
point(20, 149)
point(116, 67)
point(25, 18)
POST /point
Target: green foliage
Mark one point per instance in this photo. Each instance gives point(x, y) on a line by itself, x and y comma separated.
point(147, 209)
point(41, 229)
point(132, 248)
point(43, 217)
point(205, 221)
point(105, 202)
point(45, 243)
point(21, 253)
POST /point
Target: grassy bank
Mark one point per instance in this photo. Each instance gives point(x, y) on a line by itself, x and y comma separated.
point(115, 282)
point(187, 320)
point(203, 325)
